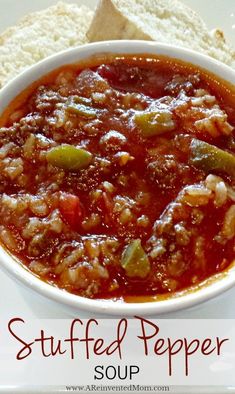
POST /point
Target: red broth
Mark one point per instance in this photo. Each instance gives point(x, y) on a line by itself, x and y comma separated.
point(117, 177)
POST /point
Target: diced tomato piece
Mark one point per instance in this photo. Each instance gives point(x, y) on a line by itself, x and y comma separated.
point(108, 72)
point(70, 208)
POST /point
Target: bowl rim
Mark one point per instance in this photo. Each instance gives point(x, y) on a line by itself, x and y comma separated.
point(15, 269)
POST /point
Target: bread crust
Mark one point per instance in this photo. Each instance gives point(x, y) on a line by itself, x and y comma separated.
point(168, 21)
point(109, 23)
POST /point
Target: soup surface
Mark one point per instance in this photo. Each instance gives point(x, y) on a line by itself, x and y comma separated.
point(117, 178)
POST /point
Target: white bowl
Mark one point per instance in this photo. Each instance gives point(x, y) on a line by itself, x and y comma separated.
point(206, 291)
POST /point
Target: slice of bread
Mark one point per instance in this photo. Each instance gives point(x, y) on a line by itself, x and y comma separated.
point(41, 34)
point(167, 21)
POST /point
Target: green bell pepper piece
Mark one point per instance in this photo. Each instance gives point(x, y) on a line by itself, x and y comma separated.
point(154, 122)
point(210, 158)
point(135, 261)
point(69, 157)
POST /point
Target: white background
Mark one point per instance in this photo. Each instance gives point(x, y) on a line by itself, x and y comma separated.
point(203, 370)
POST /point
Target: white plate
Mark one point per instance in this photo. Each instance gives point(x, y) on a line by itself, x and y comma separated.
point(21, 302)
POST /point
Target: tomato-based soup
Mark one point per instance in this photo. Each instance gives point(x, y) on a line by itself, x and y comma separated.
point(117, 178)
